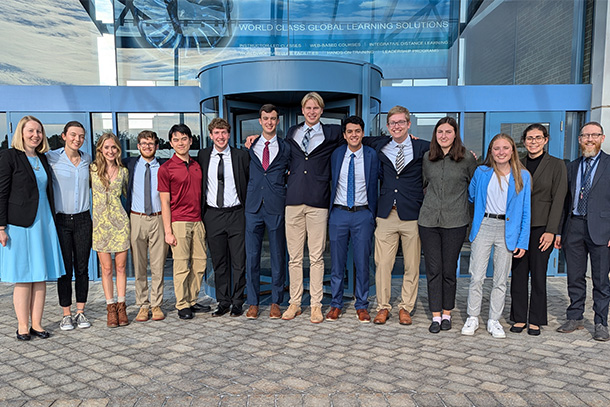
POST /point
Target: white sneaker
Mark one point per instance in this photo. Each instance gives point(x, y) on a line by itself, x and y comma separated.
point(495, 329)
point(471, 325)
point(66, 324)
point(81, 320)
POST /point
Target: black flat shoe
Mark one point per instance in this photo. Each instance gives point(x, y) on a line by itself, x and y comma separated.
point(533, 331)
point(445, 324)
point(39, 334)
point(434, 328)
point(517, 329)
point(23, 337)
point(236, 311)
point(200, 308)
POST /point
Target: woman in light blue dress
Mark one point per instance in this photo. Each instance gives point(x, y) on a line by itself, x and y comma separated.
point(30, 253)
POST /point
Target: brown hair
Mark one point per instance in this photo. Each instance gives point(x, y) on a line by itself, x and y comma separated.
point(146, 134)
point(457, 150)
point(17, 142)
point(515, 163)
point(219, 123)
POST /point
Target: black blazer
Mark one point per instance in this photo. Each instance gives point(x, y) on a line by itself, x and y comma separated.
point(598, 211)
point(18, 189)
point(549, 188)
point(130, 163)
point(240, 161)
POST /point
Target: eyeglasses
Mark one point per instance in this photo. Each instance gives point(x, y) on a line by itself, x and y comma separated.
point(398, 123)
point(537, 139)
point(149, 145)
point(592, 136)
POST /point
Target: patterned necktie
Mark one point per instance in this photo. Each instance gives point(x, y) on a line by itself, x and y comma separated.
point(147, 188)
point(400, 159)
point(351, 182)
point(266, 156)
point(220, 194)
point(585, 188)
point(305, 142)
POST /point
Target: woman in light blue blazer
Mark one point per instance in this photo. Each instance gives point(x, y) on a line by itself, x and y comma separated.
point(501, 192)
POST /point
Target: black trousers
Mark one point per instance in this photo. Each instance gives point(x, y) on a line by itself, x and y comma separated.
point(441, 248)
point(534, 263)
point(74, 232)
point(225, 231)
point(578, 246)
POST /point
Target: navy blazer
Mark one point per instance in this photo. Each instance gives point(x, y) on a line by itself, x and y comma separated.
point(371, 174)
point(407, 188)
point(598, 211)
point(19, 190)
point(268, 187)
point(241, 169)
point(130, 163)
point(309, 178)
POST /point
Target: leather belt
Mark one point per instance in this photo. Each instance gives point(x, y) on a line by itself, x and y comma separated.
point(143, 214)
point(353, 208)
point(580, 217)
point(494, 216)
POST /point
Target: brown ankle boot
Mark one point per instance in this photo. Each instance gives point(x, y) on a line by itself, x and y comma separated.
point(113, 318)
point(121, 309)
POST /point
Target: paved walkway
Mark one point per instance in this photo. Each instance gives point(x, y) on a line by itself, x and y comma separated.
point(237, 362)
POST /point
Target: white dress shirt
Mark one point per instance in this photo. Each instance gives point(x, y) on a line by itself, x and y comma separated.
point(360, 184)
point(230, 195)
point(391, 150)
point(274, 148)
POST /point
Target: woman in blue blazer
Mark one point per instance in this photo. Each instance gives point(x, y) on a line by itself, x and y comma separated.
point(500, 190)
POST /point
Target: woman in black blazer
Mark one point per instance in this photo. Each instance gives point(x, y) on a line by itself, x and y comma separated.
point(549, 188)
point(29, 248)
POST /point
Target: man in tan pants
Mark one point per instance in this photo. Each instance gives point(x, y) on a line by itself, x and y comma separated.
point(147, 236)
point(397, 212)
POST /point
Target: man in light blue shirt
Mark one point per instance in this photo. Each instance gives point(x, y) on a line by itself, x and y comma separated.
point(70, 168)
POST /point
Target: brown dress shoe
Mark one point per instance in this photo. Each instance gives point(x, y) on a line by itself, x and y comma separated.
point(121, 310)
point(142, 314)
point(275, 312)
point(363, 315)
point(252, 312)
point(157, 314)
point(334, 314)
point(112, 320)
point(382, 316)
point(404, 318)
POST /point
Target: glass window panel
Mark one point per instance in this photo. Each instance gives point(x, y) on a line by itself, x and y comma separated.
point(130, 124)
point(474, 133)
point(3, 132)
point(422, 124)
point(515, 131)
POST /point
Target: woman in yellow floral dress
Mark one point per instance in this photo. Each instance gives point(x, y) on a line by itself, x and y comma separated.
point(110, 223)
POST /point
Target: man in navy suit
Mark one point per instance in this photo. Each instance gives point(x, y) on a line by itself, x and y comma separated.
point(265, 202)
point(586, 232)
point(402, 194)
point(307, 201)
point(225, 180)
point(355, 170)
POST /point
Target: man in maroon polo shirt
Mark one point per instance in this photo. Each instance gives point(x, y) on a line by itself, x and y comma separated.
point(179, 185)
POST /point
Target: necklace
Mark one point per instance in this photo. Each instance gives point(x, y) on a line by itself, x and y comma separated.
point(37, 167)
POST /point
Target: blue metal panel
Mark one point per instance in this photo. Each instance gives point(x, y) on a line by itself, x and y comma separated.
point(515, 98)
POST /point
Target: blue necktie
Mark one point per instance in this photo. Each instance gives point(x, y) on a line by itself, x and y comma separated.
point(585, 189)
point(351, 183)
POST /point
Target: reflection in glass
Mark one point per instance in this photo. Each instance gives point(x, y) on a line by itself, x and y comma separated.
point(3, 132)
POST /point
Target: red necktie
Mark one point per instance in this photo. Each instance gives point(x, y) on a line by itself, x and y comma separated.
point(266, 156)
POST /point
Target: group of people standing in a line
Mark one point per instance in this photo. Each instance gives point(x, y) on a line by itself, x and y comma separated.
point(400, 189)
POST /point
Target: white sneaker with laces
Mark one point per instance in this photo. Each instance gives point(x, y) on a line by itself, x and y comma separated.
point(81, 320)
point(495, 329)
point(66, 324)
point(471, 325)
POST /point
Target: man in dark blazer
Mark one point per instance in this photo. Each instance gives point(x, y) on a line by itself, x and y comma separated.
point(225, 179)
point(307, 201)
point(353, 197)
point(265, 204)
point(586, 232)
point(397, 211)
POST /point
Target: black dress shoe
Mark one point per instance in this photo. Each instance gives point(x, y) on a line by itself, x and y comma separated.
point(200, 308)
point(517, 329)
point(185, 313)
point(236, 311)
point(23, 337)
point(533, 331)
point(39, 334)
point(445, 324)
point(220, 311)
point(434, 328)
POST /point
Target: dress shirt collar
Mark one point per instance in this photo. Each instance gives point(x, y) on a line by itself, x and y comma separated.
point(316, 128)
point(407, 143)
point(263, 140)
point(224, 152)
point(358, 153)
point(153, 162)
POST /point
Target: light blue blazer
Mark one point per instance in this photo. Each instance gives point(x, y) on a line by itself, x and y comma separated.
point(518, 207)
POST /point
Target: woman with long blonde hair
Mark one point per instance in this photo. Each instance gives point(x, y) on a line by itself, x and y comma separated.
point(500, 190)
point(110, 224)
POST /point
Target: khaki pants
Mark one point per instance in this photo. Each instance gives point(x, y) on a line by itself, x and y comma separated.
point(387, 235)
point(190, 237)
point(148, 241)
point(306, 221)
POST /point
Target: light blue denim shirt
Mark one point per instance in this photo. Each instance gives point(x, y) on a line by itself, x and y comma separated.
point(70, 182)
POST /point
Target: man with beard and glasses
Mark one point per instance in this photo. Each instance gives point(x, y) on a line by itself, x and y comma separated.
point(586, 232)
